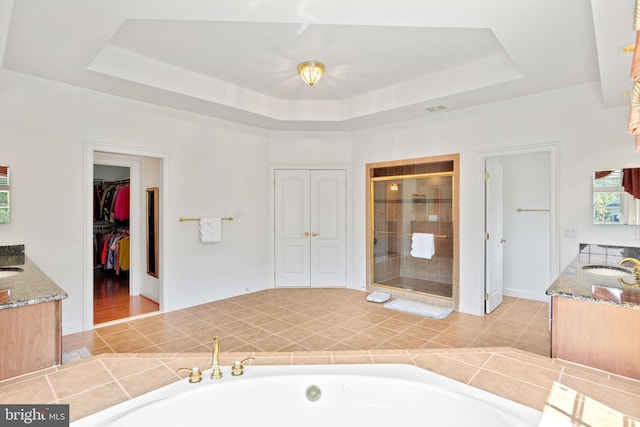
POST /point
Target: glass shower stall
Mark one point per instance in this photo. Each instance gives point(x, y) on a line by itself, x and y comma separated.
point(413, 232)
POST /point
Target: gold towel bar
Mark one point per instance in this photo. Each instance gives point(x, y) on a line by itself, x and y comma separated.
point(437, 236)
point(228, 218)
point(532, 210)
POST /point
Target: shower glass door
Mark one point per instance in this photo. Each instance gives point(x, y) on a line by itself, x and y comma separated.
point(414, 211)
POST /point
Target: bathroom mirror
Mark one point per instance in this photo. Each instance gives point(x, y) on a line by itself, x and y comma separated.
point(616, 196)
point(5, 205)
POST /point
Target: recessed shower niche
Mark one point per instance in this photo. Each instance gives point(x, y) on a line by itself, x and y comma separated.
point(412, 226)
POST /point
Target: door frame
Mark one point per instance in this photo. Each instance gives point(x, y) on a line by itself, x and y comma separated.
point(348, 196)
point(553, 148)
point(102, 150)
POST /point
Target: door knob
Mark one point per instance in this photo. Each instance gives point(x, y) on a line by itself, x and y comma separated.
point(314, 234)
point(306, 233)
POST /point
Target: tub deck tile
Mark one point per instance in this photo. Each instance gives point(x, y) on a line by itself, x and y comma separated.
point(92, 384)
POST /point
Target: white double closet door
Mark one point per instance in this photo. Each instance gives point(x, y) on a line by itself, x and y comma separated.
point(310, 228)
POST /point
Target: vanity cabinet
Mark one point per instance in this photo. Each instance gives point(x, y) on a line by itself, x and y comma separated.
point(31, 338)
point(600, 335)
point(31, 320)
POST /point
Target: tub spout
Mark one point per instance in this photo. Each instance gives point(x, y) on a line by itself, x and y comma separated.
point(216, 373)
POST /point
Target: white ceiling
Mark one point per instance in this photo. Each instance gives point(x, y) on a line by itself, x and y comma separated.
point(386, 60)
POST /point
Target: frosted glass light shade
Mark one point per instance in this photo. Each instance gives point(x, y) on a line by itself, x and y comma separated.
point(311, 71)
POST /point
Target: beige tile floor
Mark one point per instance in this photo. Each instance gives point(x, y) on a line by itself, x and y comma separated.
point(304, 326)
point(289, 320)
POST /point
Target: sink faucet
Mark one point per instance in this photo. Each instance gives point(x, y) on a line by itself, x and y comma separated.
point(636, 272)
point(635, 262)
point(216, 374)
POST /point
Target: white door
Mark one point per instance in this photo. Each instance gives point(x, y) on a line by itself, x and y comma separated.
point(328, 228)
point(493, 234)
point(310, 228)
point(293, 245)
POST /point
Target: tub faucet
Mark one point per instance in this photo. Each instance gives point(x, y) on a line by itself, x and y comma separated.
point(216, 374)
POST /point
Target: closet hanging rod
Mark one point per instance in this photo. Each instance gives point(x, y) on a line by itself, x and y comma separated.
point(228, 218)
point(437, 236)
point(532, 210)
point(120, 181)
point(104, 225)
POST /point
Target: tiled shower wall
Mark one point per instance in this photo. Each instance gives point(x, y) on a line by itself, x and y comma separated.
point(388, 264)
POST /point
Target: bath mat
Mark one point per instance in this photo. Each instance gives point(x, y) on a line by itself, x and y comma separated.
point(415, 307)
point(73, 355)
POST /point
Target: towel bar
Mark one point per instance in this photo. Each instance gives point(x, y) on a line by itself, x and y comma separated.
point(228, 218)
point(437, 236)
point(532, 210)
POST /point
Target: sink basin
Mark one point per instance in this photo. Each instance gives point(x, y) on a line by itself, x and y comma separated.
point(607, 270)
point(9, 271)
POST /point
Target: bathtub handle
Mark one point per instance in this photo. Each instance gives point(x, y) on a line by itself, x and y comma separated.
point(238, 368)
point(195, 376)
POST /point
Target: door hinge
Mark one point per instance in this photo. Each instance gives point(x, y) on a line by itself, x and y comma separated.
point(486, 296)
point(486, 176)
point(486, 236)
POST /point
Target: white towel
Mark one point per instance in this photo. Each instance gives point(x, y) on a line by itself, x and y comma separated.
point(422, 245)
point(210, 230)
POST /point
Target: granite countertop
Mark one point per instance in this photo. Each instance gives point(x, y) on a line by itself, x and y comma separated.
point(32, 286)
point(574, 282)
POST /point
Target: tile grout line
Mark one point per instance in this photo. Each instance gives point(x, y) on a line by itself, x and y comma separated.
point(480, 368)
point(53, 391)
point(114, 378)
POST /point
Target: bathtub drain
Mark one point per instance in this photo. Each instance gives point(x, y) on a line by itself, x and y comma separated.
point(313, 393)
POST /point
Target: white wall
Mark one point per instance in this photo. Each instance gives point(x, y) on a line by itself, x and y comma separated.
point(526, 250)
point(310, 148)
point(215, 168)
point(589, 136)
point(220, 168)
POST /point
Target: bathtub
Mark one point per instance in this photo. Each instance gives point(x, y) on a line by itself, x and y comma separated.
point(318, 395)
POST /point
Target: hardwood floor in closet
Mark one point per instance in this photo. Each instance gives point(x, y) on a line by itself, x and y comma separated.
point(111, 299)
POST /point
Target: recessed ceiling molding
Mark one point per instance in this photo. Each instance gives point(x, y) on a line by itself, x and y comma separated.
point(477, 75)
point(123, 64)
point(387, 60)
point(127, 65)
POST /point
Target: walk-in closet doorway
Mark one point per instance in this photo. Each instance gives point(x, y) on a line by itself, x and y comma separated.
point(113, 296)
point(121, 287)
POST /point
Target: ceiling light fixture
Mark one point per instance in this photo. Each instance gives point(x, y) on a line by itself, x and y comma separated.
point(628, 48)
point(311, 71)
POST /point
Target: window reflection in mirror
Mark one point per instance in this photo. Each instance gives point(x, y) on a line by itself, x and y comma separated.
point(4, 194)
point(616, 196)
